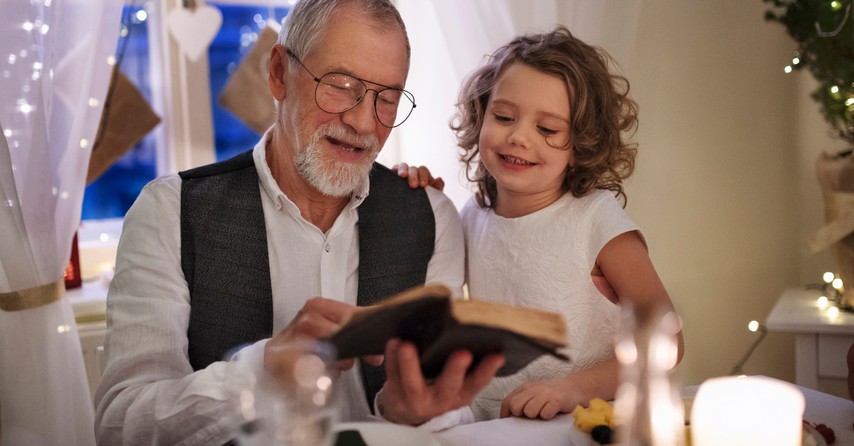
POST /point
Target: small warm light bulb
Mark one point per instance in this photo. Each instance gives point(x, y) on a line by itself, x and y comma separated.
point(828, 277)
point(849, 102)
point(753, 326)
point(837, 283)
point(324, 382)
point(796, 61)
point(835, 5)
point(141, 15)
point(832, 312)
point(84, 143)
point(787, 69)
point(104, 237)
point(822, 302)
point(834, 89)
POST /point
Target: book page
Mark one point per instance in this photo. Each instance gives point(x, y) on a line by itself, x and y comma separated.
point(541, 325)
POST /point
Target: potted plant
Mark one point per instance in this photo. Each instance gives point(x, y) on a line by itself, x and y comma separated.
point(824, 33)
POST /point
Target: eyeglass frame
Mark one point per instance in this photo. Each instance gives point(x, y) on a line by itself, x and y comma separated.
point(364, 82)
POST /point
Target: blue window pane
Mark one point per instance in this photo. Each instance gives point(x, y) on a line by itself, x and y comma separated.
point(116, 190)
point(239, 32)
point(112, 194)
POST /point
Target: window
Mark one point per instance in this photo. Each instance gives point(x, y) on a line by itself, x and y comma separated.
point(240, 28)
point(112, 194)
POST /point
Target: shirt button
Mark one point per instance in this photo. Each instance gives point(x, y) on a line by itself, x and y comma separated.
point(327, 248)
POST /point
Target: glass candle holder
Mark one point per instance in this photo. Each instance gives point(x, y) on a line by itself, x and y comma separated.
point(295, 403)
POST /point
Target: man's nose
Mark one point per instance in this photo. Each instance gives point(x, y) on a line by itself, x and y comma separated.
point(362, 117)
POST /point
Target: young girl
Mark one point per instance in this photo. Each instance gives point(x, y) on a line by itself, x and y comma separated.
point(542, 127)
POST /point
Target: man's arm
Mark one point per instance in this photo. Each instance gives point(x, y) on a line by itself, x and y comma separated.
point(149, 393)
point(447, 266)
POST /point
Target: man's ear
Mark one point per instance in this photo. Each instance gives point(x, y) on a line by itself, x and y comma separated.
point(278, 68)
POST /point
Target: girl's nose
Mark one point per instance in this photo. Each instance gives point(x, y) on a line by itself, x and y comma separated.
point(518, 137)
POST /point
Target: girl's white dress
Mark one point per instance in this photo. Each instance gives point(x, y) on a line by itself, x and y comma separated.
point(543, 260)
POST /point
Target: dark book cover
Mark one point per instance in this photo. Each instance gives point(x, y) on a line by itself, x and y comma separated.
point(428, 321)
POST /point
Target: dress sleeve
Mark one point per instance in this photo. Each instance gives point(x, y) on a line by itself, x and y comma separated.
point(148, 393)
point(448, 262)
point(608, 220)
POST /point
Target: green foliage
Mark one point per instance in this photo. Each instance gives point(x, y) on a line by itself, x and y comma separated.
point(824, 33)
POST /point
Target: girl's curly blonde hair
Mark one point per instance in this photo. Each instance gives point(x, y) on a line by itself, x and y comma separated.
point(600, 112)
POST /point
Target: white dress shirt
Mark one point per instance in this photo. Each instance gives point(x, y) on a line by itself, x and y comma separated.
point(149, 393)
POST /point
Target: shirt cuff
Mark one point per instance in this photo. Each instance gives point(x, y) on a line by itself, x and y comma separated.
point(447, 420)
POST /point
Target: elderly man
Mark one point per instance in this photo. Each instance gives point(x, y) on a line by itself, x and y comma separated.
point(232, 254)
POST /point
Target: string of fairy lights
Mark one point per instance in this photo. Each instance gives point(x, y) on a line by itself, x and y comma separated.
point(830, 301)
point(824, 33)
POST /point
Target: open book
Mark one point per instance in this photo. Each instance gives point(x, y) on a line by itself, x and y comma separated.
point(438, 325)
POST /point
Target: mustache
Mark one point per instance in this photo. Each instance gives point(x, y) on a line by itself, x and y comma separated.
point(341, 133)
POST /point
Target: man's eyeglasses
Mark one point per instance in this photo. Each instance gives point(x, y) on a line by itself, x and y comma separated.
point(339, 92)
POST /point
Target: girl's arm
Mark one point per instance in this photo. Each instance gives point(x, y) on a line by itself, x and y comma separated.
point(625, 264)
point(545, 399)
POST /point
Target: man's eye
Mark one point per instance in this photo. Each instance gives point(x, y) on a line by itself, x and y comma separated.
point(390, 96)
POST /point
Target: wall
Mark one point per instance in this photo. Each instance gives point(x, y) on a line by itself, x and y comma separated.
point(724, 187)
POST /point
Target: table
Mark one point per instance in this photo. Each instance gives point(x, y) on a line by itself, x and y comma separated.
point(835, 412)
point(821, 339)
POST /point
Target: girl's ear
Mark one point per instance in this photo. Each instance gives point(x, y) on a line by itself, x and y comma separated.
point(277, 69)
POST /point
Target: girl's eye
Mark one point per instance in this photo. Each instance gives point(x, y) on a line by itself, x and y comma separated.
point(546, 131)
point(501, 118)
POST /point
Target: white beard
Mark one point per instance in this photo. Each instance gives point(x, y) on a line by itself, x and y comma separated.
point(332, 177)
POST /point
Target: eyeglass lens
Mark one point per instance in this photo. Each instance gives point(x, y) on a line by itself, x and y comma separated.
point(337, 93)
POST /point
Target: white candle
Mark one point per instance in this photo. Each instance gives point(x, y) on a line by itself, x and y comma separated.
point(747, 411)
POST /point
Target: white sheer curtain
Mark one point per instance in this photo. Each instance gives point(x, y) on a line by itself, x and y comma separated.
point(450, 38)
point(54, 73)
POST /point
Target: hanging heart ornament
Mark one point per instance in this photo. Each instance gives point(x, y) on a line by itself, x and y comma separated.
point(194, 29)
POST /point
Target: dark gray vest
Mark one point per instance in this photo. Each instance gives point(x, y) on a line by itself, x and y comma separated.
point(225, 262)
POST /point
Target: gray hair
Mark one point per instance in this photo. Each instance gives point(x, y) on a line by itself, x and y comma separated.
point(305, 23)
